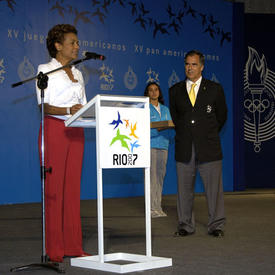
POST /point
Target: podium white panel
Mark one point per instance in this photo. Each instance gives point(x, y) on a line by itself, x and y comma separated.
point(122, 141)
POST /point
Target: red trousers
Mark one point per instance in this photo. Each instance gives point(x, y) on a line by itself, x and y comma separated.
point(63, 153)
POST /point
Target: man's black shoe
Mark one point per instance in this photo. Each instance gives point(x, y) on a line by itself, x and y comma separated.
point(217, 233)
point(182, 232)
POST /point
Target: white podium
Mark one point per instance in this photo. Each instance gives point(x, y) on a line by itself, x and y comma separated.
point(122, 141)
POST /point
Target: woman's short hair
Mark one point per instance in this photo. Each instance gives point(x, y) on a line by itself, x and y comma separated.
point(56, 34)
point(146, 91)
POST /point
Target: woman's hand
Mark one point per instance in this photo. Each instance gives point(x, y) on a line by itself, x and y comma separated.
point(75, 108)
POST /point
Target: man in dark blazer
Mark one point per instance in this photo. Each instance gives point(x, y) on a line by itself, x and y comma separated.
point(197, 144)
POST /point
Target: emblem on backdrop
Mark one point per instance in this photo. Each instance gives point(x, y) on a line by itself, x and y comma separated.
point(259, 100)
point(2, 70)
point(152, 76)
point(214, 78)
point(25, 69)
point(173, 79)
point(130, 79)
point(107, 77)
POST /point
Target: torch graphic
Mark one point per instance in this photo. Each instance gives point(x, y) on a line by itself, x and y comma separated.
point(256, 74)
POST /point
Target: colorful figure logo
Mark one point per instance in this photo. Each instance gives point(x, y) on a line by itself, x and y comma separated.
point(126, 133)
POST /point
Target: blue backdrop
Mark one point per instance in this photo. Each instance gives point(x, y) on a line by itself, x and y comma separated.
point(142, 42)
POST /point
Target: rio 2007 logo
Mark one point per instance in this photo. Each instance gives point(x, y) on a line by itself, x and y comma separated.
point(259, 101)
point(126, 137)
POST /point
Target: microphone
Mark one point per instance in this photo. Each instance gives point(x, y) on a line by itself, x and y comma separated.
point(89, 55)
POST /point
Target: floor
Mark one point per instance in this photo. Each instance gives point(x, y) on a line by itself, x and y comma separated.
point(247, 248)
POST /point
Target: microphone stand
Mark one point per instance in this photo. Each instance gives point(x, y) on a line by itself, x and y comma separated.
point(42, 83)
point(57, 69)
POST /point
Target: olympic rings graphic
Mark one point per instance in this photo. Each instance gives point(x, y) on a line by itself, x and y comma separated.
point(256, 105)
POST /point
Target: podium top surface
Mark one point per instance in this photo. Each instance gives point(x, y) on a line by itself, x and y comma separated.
point(120, 98)
point(87, 112)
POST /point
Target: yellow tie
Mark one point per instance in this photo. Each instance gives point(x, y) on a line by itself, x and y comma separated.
point(192, 94)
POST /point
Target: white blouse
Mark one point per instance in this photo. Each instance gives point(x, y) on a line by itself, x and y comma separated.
point(61, 91)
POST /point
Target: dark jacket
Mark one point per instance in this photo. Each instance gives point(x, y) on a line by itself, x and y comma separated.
point(199, 124)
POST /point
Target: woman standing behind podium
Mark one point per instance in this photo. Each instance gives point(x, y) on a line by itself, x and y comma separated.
point(64, 147)
point(160, 140)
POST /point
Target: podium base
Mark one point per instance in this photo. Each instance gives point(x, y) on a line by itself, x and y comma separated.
point(137, 262)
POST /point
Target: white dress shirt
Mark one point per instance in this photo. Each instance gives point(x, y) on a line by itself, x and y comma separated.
point(189, 85)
